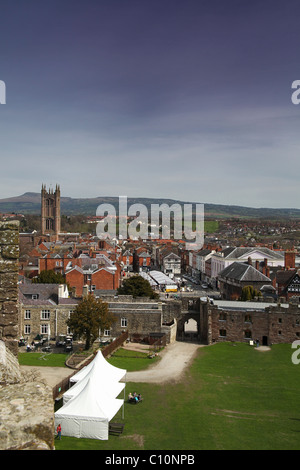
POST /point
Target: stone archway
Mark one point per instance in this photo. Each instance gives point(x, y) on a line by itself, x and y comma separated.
point(186, 332)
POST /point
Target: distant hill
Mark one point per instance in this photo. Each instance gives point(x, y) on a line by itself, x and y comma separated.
point(30, 203)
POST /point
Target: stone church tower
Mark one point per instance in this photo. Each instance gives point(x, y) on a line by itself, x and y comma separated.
point(50, 211)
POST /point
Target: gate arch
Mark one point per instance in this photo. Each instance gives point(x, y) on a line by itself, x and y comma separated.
point(181, 335)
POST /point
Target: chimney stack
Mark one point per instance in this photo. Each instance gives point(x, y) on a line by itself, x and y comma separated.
point(289, 259)
point(265, 266)
point(85, 290)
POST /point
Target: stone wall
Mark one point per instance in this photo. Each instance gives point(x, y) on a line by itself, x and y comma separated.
point(26, 404)
point(26, 407)
point(271, 325)
point(171, 309)
point(141, 316)
point(9, 254)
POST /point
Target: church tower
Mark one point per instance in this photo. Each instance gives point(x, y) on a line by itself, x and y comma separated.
point(50, 211)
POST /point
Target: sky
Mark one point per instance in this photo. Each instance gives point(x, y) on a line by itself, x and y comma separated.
point(181, 99)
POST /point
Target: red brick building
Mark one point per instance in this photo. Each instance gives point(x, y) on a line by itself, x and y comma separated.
point(95, 277)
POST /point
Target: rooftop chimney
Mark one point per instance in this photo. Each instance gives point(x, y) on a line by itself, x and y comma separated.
point(289, 259)
point(85, 290)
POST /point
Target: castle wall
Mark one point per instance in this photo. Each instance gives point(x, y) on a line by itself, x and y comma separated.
point(272, 325)
point(26, 411)
point(9, 253)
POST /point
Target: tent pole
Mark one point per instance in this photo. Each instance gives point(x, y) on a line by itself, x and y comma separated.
point(124, 396)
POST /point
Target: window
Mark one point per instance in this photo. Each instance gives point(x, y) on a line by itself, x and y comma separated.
point(27, 330)
point(44, 329)
point(27, 315)
point(45, 315)
point(248, 334)
point(34, 296)
point(223, 333)
point(222, 317)
point(106, 332)
point(123, 322)
point(248, 318)
point(279, 320)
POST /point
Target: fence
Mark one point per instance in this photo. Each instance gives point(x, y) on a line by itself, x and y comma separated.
point(110, 348)
point(63, 386)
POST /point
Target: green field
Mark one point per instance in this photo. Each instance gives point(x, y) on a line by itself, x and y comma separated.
point(42, 359)
point(232, 397)
point(122, 358)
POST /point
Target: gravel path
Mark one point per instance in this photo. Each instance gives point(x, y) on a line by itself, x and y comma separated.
point(174, 359)
point(50, 375)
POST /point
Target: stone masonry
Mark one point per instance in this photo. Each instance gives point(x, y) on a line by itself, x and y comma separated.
point(9, 255)
point(26, 403)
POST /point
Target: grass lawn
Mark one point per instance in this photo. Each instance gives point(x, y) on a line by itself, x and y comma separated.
point(131, 360)
point(232, 397)
point(122, 358)
point(41, 359)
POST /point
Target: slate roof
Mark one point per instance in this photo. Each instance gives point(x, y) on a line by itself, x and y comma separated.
point(204, 252)
point(237, 252)
point(47, 294)
point(284, 277)
point(243, 272)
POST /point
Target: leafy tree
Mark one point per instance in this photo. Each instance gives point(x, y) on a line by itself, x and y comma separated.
point(49, 277)
point(89, 317)
point(137, 286)
point(248, 293)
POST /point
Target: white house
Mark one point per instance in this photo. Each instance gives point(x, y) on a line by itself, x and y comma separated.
point(224, 258)
point(172, 265)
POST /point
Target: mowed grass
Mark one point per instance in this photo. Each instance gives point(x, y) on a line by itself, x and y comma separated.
point(38, 359)
point(233, 396)
point(122, 358)
point(132, 360)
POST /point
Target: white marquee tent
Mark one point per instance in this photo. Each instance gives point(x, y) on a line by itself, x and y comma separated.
point(102, 366)
point(161, 278)
point(88, 413)
point(101, 381)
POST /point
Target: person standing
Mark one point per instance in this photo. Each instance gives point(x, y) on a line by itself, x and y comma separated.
point(58, 431)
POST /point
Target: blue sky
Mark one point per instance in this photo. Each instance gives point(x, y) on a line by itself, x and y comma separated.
point(187, 100)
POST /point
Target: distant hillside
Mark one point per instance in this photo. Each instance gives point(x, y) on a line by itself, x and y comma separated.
point(30, 203)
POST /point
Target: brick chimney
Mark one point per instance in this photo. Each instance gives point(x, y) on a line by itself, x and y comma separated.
point(289, 259)
point(265, 266)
